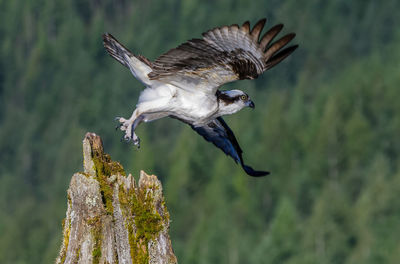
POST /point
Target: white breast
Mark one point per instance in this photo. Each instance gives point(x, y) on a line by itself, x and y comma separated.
point(195, 107)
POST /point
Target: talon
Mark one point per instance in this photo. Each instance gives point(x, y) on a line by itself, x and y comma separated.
point(120, 119)
point(129, 128)
point(136, 142)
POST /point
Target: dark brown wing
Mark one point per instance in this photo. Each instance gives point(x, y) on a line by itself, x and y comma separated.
point(225, 54)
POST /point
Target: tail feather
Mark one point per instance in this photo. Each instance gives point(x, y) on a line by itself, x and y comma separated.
point(116, 49)
point(138, 65)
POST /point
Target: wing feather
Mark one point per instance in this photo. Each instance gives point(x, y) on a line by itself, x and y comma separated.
point(280, 56)
point(219, 133)
point(246, 27)
point(212, 36)
point(270, 35)
point(220, 39)
point(224, 54)
point(255, 32)
point(278, 45)
point(234, 31)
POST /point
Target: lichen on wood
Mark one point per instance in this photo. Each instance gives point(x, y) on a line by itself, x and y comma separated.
point(110, 218)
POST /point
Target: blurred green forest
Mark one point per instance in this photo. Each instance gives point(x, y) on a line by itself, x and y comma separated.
point(327, 125)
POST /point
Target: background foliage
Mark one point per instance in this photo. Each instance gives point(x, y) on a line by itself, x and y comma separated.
point(326, 125)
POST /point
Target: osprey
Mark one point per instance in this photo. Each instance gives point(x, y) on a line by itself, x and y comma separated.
point(184, 82)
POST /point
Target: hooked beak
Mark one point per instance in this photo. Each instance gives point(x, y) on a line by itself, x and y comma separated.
point(251, 104)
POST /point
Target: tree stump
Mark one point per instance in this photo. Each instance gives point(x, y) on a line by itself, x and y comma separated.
point(110, 218)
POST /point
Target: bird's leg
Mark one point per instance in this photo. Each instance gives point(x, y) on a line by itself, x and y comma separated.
point(139, 115)
point(134, 137)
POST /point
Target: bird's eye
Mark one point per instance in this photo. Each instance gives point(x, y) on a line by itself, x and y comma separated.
point(243, 97)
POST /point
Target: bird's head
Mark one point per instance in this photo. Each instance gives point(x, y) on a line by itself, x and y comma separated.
point(233, 101)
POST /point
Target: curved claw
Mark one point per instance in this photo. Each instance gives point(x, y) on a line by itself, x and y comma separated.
point(120, 119)
point(136, 142)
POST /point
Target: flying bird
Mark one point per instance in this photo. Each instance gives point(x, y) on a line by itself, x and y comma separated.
point(184, 82)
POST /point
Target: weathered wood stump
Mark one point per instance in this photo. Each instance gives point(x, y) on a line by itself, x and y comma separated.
point(110, 218)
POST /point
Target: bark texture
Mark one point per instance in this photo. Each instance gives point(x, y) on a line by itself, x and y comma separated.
point(112, 219)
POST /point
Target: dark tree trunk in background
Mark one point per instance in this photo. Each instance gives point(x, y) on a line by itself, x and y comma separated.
point(111, 218)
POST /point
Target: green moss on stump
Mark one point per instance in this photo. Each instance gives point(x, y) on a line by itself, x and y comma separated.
point(67, 231)
point(96, 227)
point(143, 222)
point(105, 168)
point(66, 226)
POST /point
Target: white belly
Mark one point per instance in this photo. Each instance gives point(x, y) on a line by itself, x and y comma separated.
point(193, 107)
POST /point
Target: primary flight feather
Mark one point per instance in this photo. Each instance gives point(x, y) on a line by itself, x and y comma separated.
point(184, 82)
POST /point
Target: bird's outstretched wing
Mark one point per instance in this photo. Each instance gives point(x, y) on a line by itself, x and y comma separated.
point(224, 54)
point(218, 132)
